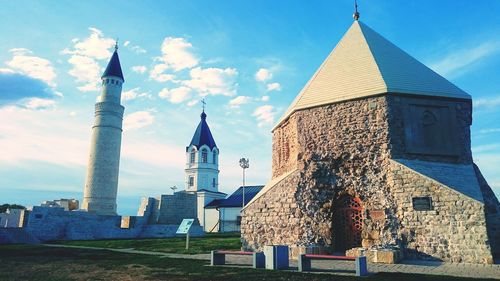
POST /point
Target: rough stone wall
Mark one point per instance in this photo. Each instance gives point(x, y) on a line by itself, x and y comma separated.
point(453, 230)
point(492, 213)
point(174, 208)
point(341, 149)
point(346, 148)
point(46, 223)
point(285, 147)
point(273, 218)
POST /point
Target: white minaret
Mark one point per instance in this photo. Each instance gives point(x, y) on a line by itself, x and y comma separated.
point(202, 160)
point(101, 185)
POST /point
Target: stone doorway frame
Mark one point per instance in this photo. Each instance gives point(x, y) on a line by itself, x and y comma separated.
point(347, 222)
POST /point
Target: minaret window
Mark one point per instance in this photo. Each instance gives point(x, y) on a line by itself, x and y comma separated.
point(214, 157)
point(192, 157)
point(191, 181)
point(213, 182)
point(204, 156)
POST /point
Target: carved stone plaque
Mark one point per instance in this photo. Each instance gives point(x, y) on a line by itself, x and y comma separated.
point(377, 215)
point(430, 128)
point(422, 203)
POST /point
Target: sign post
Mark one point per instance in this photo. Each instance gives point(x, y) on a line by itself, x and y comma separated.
point(184, 229)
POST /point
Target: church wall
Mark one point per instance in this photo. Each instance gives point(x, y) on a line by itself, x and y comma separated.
point(454, 229)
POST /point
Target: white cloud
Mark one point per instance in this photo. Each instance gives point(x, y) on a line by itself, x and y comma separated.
point(134, 93)
point(139, 69)
point(192, 102)
point(489, 131)
point(265, 98)
point(273, 87)
point(137, 120)
point(6, 70)
point(213, 81)
point(263, 74)
point(158, 73)
point(455, 62)
point(240, 100)
point(86, 70)
point(138, 49)
point(39, 68)
point(38, 103)
point(486, 102)
point(45, 136)
point(177, 55)
point(84, 59)
point(486, 148)
point(95, 46)
point(176, 95)
point(126, 43)
point(264, 114)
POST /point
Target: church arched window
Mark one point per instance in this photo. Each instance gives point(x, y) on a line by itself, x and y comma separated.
point(192, 156)
point(214, 157)
point(204, 155)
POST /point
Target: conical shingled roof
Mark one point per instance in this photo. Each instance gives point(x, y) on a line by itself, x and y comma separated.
point(114, 68)
point(365, 64)
point(202, 135)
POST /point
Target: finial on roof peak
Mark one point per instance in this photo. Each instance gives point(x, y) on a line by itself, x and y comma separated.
point(356, 13)
point(203, 114)
point(116, 45)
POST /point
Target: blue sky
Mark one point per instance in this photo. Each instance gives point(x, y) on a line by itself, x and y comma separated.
point(249, 59)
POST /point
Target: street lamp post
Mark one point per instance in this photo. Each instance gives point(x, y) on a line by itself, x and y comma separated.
point(244, 164)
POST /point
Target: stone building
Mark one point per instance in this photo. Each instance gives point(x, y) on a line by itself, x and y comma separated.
point(101, 184)
point(375, 153)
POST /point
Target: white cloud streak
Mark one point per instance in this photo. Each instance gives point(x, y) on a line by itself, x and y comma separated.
point(176, 95)
point(263, 74)
point(36, 67)
point(238, 101)
point(213, 81)
point(273, 87)
point(85, 56)
point(455, 63)
point(137, 120)
point(265, 115)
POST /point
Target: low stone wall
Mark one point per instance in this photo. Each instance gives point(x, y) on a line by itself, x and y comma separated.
point(46, 224)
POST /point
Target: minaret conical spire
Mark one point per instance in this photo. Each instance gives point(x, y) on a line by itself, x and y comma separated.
point(114, 67)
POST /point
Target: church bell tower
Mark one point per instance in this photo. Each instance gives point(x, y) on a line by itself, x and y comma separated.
point(101, 184)
point(202, 160)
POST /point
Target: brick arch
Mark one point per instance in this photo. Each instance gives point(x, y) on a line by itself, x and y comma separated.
point(347, 223)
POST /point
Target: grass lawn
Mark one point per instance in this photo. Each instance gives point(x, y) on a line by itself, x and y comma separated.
point(23, 262)
point(168, 245)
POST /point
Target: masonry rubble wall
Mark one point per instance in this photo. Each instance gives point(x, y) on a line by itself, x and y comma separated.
point(52, 223)
point(346, 148)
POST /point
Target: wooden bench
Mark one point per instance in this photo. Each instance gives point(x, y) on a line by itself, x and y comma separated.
point(218, 257)
point(304, 262)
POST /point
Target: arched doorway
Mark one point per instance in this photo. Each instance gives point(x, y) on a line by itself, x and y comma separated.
point(347, 223)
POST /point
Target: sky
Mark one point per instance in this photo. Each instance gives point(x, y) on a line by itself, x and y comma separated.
point(248, 59)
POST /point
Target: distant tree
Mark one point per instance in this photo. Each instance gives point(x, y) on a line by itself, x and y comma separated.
point(4, 207)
